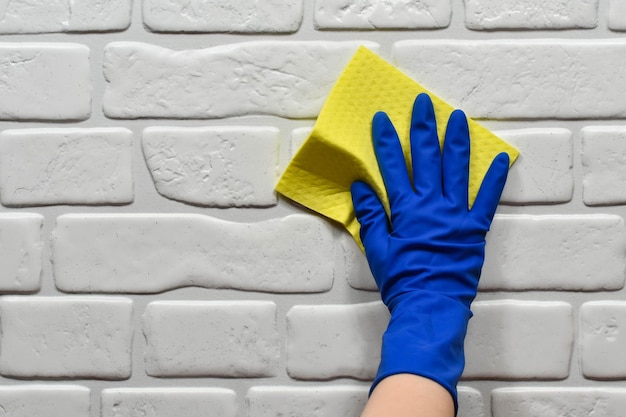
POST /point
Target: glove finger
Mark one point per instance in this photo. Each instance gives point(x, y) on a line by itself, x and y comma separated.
point(456, 155)
point(390, 159)
point(371, 215)
point(490, 190)
point(425, 149)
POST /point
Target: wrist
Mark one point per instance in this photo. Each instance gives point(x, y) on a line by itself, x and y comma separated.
point(425, 337)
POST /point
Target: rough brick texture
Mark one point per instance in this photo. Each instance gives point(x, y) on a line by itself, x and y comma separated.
point(322, 400)
point(318, 337)
point(382, 14)
point(536, 78)
point(604, 165)
point(41, 16)
point(530, 14)
point(224, 167)
point(510, 339)
point(169, 402)
point(576, 252)
point(218, 16)
point(470, 402)
point(543, 173)
point(70, 337)
point(66, 166)
point(145, 253)
point(45, 401)
point(148, 268)
point(602, 340)
point(45, 81)
point(289, 79)
point(558, 402)
point(234, 339)
point(21, 252)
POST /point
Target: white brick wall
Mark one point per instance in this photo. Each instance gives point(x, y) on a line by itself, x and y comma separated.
point(381, 14)
point(213, 338)
point(221, 167)
point(575, 252)
point(288, 79)
point(510, 78)
point(604, 164)
point(21, 252)
point(41, 16)
point(66, 166)
point(545, 153)
point(45, 401)
point(218, 16)
point(146, 253)
point(617, 15)
point(66, 337)
point(165, 402)
point(513, 339)
point(602, 338)
point(147, 268)
point(323, 353)
point(561, 402)
point(328, 401)
point(46, 81)
point(530, 14)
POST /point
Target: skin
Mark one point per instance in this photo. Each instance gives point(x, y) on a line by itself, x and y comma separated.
point(439, 188)
point(407, 395)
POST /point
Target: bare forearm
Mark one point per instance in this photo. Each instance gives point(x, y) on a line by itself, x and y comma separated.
point(407, 395)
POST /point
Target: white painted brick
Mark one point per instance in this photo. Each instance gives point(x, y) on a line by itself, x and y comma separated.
point(604, 165)
point(146, 253)
point(531, 78)
point(542, 174)
point(169, 402)
point(282, 78)
point(41, 16)
point(44, 401)
point(470, 403)
point(66, 166)
point(71, 337)
point(510, 339)
point(382, 14)
point(219, 16)
point(44, 81)
point(555, 252)
point(20, 252)
point(602, 340)
point(328, 341)
point(212, 338)
point(271, 401)
point(214, 166)
point(355, 267)
point(531, 14)
point(558, 402)
point(617, 15)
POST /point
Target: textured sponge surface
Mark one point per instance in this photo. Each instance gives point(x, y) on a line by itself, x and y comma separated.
point(339, 149)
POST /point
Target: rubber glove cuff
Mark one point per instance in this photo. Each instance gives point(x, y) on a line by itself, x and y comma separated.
point(425, 337)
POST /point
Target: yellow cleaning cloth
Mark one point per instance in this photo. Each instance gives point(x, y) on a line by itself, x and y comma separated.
point(340, 151)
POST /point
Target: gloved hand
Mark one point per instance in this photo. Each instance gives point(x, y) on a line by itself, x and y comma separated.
point(427, 258)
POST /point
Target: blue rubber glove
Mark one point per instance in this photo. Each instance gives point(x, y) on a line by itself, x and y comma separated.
point(427, 258)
